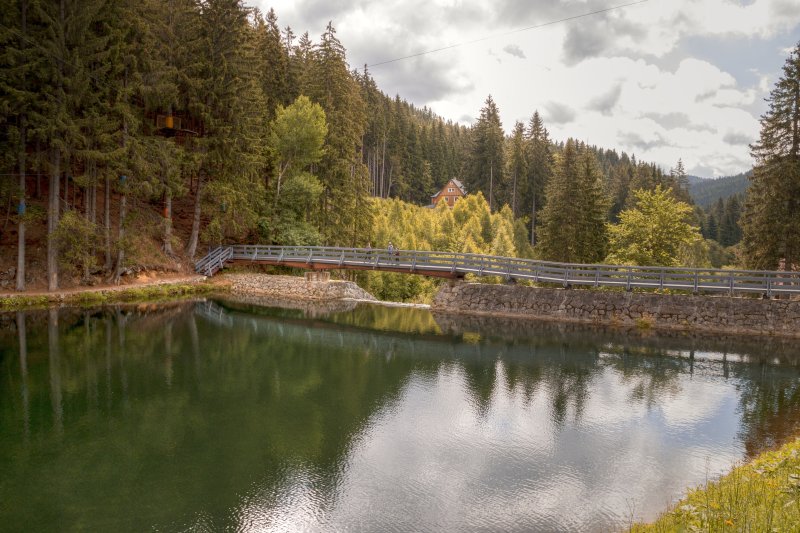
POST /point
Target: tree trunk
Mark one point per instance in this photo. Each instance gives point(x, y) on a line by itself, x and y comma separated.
point(491, 186)
point(123, 201)
point(107, 221)
point(795, 150)
point(533, 214)
point(278, 185)
point(191, 248)
point(93, 200)
point(514, 196)
point(21, 213)
point(168, 223)
point(22, 171)
point(66, 184)
point(38, 170)
point(52, 219)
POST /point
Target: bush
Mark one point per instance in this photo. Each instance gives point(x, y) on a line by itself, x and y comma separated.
point(76, 239)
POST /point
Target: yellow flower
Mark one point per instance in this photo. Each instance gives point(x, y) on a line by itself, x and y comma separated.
point(729, 522)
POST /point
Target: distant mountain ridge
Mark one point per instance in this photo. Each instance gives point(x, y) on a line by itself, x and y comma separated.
point(705, 192)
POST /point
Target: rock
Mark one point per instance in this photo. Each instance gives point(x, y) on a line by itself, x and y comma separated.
point(716, 314)
point(296, 288)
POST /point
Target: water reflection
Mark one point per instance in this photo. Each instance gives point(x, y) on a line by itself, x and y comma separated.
point(226, 415)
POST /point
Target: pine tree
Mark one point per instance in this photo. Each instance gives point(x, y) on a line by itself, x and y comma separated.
point(730, 233)
point(343, 213)
point(231, 104)
point(485, 170)
point(681, 182)
point(540, 168)
point(573, 221)
point(517, 171)
point(273, 59)
point(63, 27)
point(17, 108)
point(712, 228)
point(772, 210)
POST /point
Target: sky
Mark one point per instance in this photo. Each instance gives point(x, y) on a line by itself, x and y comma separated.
point(662, 79)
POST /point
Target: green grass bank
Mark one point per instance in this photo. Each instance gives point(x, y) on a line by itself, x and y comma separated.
point(761, 496)
point(145, 293)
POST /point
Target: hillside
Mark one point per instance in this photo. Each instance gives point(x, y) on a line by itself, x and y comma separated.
point(705, 192)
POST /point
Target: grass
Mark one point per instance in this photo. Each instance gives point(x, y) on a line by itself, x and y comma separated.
point(14, 303)
point(147, 293)
point(763, 495)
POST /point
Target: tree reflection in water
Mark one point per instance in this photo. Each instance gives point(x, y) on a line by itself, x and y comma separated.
point(157, 413)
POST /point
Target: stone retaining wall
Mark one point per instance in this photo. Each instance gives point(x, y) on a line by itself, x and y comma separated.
point(701, 313)
point(295, 288)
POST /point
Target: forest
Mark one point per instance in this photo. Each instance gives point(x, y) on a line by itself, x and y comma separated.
point(135, 135)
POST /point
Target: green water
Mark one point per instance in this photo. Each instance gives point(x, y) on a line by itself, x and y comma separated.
point(226, 415)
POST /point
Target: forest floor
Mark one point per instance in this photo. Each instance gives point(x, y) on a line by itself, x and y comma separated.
point(145, 261)
point(140, 281)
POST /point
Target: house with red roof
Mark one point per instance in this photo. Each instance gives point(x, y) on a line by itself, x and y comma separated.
point(450, 193)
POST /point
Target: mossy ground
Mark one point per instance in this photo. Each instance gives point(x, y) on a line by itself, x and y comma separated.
point(762, 496)
point(145, 293)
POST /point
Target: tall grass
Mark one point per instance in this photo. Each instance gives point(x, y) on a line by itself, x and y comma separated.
point(763, 495)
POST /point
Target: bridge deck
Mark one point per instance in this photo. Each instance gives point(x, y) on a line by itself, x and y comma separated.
point(457, 265)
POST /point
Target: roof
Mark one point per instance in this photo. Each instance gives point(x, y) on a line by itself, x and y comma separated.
point(457, 183)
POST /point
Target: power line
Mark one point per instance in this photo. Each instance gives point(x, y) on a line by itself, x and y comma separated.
point(535, 27)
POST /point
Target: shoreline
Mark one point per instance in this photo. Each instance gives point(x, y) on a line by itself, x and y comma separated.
point(644, 311)
point(161, 288)
point(302, 291)
point(756, 495)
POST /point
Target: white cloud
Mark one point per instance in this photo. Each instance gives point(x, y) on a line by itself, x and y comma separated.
point(617, 80)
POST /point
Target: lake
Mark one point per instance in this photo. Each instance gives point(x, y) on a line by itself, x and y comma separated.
point(271, 416)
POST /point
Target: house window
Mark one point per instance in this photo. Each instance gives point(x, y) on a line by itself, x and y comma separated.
point(450, 189)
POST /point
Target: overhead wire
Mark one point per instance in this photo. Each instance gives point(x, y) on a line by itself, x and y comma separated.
point(512, 32)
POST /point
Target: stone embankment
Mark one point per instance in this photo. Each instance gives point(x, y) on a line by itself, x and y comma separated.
point(659, 311)
point(295, 288)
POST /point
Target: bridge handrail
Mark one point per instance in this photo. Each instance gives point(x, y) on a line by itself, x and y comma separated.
point(685, 278)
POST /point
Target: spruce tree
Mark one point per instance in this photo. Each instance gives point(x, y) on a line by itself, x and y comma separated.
point(486, 162)
point(540, 168)
point(343, 213)
point(273, 62)
point(680, 182)
point(517, 171)
point(18, 105)
point(772, 210)
point(230, 102)
point(573, 221)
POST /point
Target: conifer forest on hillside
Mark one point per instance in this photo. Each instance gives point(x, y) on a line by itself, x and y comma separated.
point(135, 135)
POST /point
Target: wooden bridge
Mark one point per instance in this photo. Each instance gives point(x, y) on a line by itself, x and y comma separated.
point(457, 265)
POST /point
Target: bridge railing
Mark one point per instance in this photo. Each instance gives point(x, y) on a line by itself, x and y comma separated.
point(214, 260)
point(566, 274)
